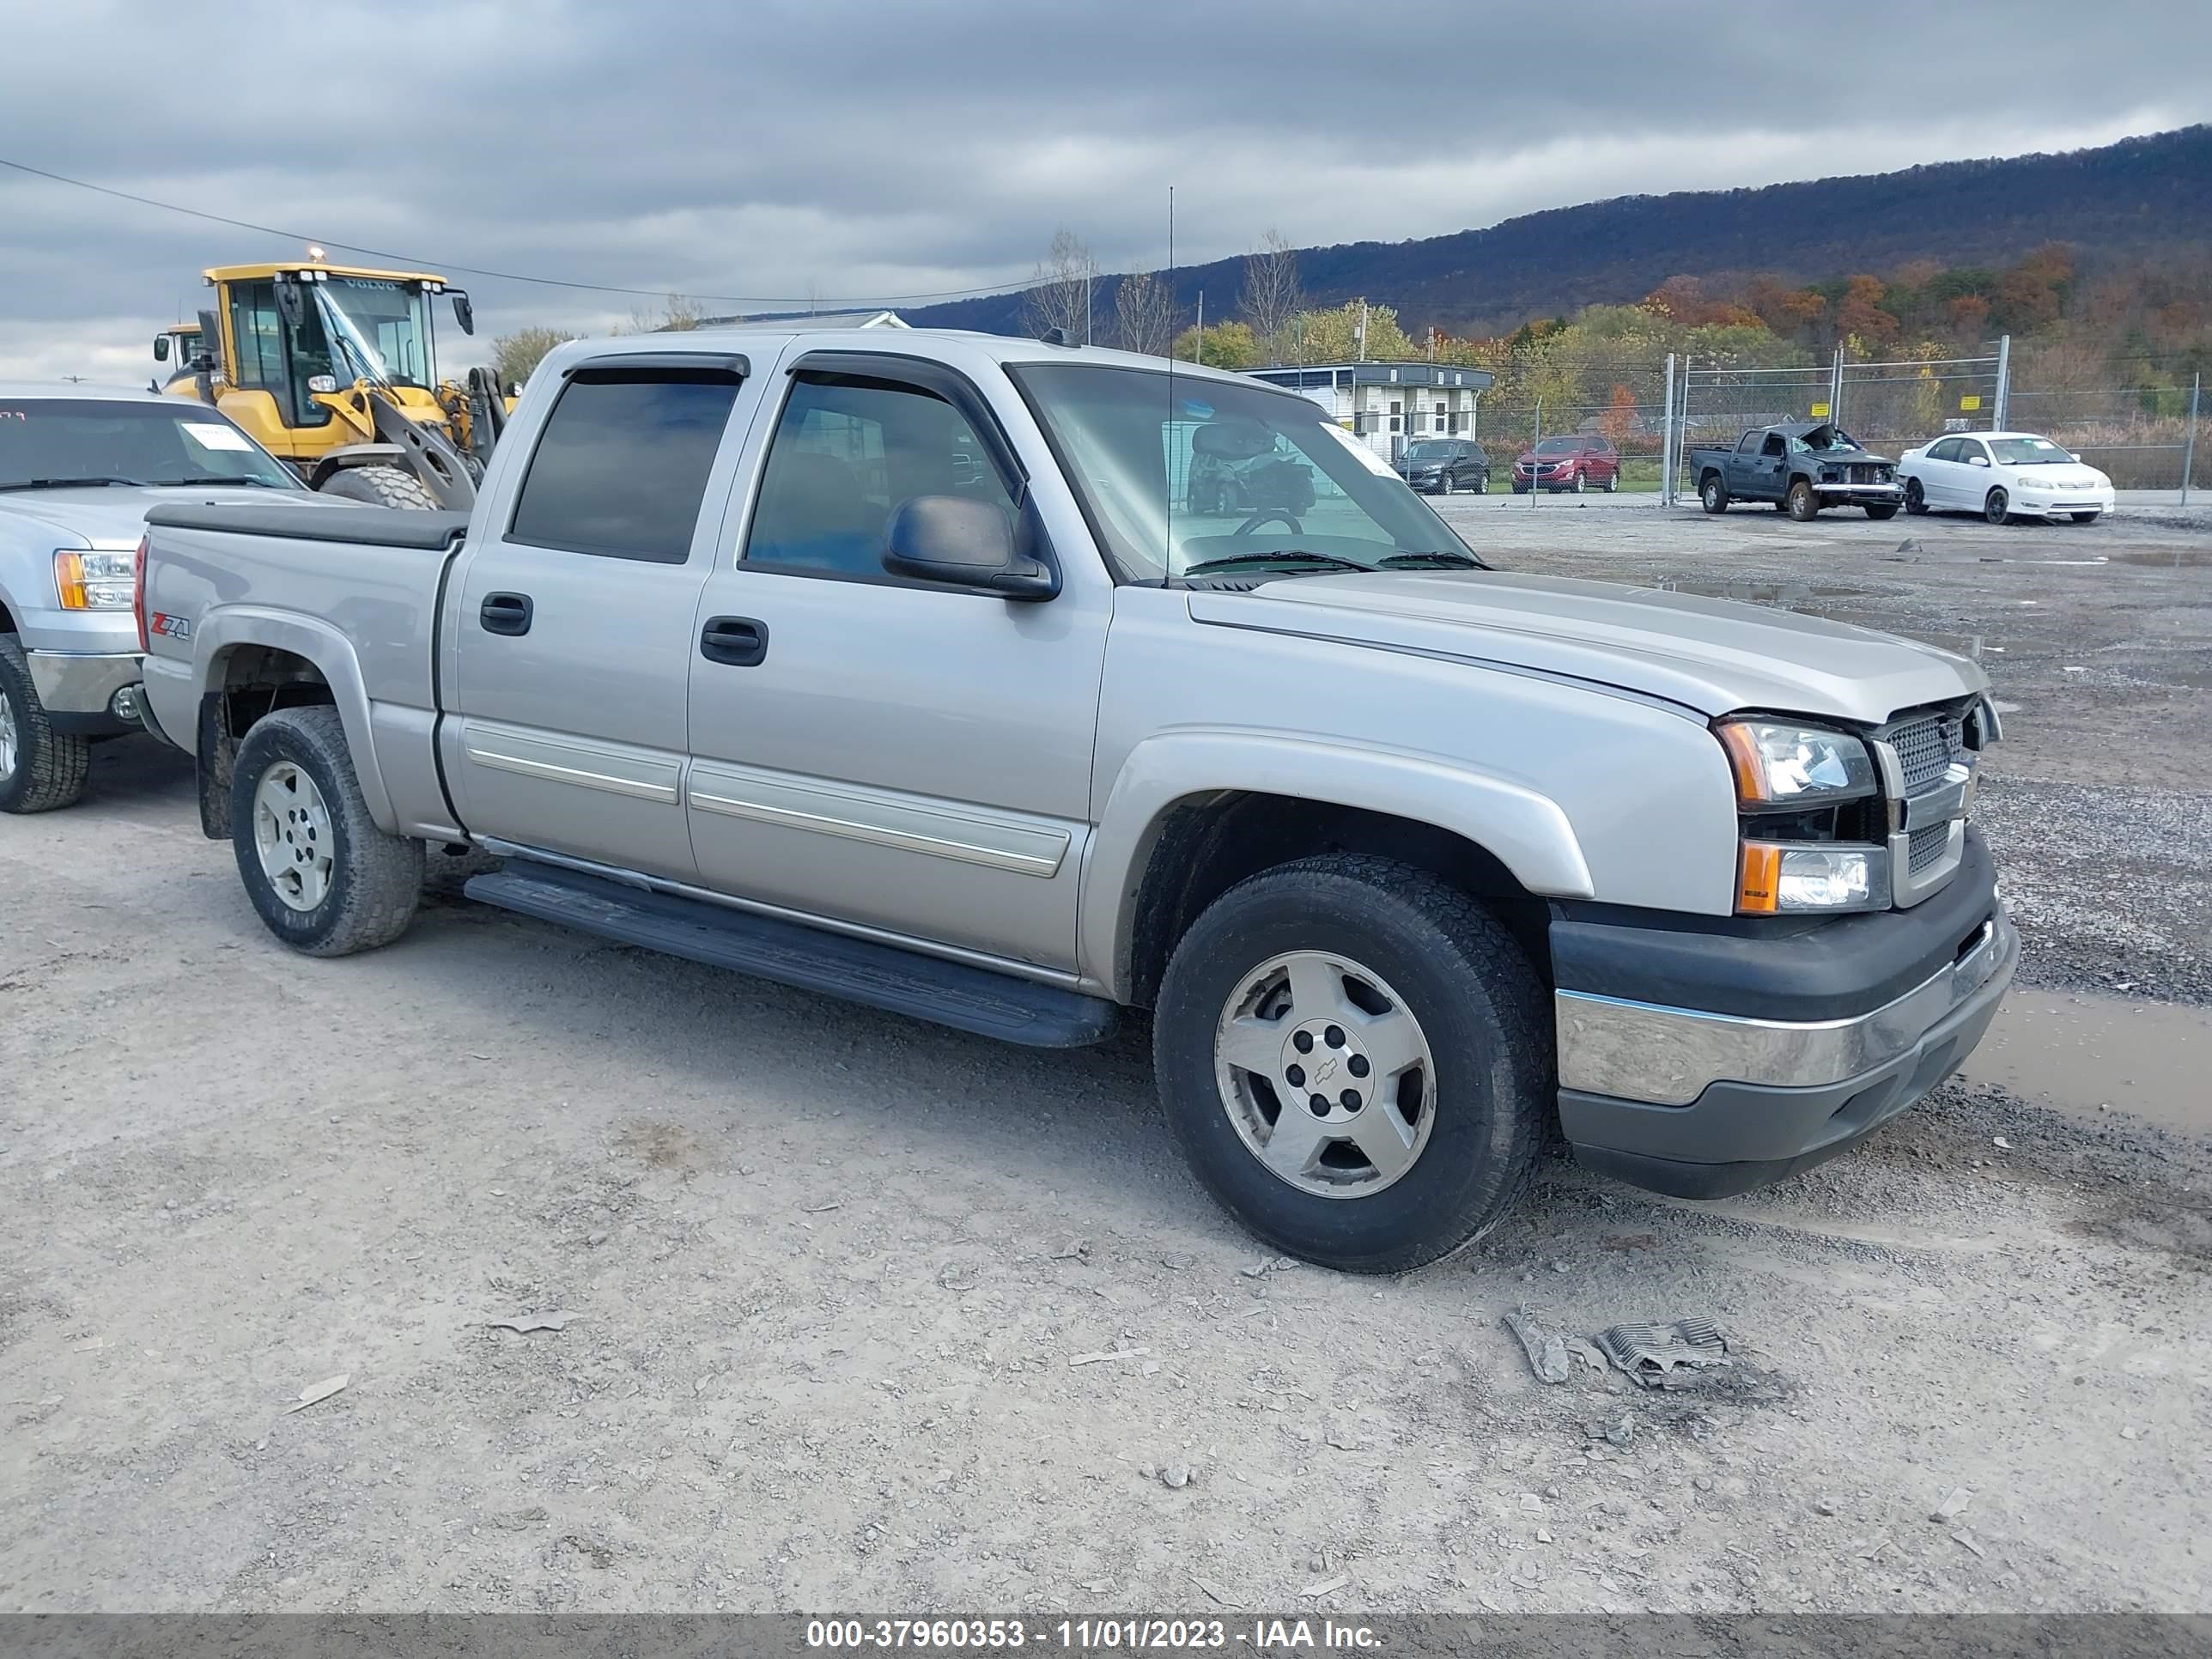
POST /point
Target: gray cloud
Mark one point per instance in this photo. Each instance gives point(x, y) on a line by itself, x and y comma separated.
point(848, 150)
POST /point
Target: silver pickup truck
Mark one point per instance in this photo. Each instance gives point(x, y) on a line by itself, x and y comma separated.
point(907, 672)
point(79, 466)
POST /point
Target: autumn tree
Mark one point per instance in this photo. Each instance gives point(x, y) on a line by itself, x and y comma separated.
point(514, 356)
point(1271, 296)
point(1221, 345)
point(1143, 313)
point(1859, 313)
point(1059, 293)
point(1619, 420)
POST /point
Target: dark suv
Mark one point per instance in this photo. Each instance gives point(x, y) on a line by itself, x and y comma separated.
point(1437, 466)
point(1578, 462)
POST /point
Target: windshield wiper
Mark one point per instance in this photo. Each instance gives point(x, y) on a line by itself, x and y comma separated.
point(1286, 555)
point(194, 483)
point(1447, 561)
point(68, 483)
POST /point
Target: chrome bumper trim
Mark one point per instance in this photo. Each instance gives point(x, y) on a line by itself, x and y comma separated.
point(72, 684)
point(1670, 1056)
point(1864, 488)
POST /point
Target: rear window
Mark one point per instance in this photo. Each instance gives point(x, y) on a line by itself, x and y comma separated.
point(622, 468)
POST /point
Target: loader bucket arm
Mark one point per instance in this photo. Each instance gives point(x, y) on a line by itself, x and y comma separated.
point(444, 470)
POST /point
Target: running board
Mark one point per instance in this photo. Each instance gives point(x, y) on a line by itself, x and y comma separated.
point(952, 994)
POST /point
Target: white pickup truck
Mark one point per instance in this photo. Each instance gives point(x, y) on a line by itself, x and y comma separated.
point(908, 672)
point(78, 469)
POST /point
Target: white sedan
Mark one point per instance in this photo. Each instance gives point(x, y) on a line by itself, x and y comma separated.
point(2002, 476)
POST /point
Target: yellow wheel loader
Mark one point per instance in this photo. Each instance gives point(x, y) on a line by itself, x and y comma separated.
point(333, 369)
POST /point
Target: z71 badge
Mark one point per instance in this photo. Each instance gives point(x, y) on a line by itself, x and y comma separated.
point(176, 627)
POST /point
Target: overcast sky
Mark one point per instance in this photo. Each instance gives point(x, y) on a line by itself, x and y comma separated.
point(762, 151)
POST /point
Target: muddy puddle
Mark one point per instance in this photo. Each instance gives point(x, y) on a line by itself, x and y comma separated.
point(2088, 1054)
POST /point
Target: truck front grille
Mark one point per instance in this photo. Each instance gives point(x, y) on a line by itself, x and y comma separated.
point(1925, 846)
point(1926, 745)
point(1865, 473)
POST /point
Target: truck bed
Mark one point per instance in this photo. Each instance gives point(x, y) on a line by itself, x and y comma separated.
point(322, 520)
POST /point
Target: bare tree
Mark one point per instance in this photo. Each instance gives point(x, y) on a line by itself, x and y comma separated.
point(1060, 295)
point(1143, 314)
point(514, 356)
point(679, 316)
point(1271, 296)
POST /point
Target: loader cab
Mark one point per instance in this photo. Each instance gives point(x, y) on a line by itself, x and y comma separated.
point(293, 342)
point(175, 350)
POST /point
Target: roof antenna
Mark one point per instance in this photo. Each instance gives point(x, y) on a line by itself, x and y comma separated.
point(1167, 432)
point(1057, 337)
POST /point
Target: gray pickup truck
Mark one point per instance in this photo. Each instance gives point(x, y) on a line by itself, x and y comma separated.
point(905, 673)
point(1801, 466)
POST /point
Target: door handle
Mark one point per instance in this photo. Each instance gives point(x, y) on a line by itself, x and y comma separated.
point(506, 613)
point(740, 642)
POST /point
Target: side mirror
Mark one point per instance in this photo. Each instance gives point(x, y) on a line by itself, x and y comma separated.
point(465, 313)
point(1978, 460)
point(291, 303)
point(160, 348)
point(969, 543)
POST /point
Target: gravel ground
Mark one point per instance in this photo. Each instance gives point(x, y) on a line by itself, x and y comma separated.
point(855, 1312)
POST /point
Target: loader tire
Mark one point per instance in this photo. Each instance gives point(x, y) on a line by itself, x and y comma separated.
point(379, 486)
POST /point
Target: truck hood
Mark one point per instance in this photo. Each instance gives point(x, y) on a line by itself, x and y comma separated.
point(1712, 655)
point(105, 515)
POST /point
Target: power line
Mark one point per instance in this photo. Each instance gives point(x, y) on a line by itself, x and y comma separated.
point(414, 263)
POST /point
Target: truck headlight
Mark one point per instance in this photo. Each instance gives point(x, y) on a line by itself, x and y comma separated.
point(1781, 763)
point(93, 581)
point(1776, 878)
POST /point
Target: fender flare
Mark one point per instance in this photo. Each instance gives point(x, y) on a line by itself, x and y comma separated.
point(226, 627)
point(1527, 832)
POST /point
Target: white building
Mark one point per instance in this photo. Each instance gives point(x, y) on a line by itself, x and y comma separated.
point(1390, 404)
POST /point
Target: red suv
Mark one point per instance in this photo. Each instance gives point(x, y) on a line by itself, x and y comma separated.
point(1579, 463)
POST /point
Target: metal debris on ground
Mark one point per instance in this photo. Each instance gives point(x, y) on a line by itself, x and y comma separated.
point(1955, 1502)
point(1547, 1355)
point(1274, 1264)
point(1666, 1356)
point(315, 1392)
point(1327, 1586)
point(523, 1324)
point(1586, 1351)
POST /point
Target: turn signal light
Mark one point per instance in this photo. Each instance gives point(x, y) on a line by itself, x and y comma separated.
point(1758, 881)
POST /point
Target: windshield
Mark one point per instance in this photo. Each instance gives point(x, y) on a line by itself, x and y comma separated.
point(2027, 452)
point(380, 329)
point(1175, 473)
point(1830, 438)
point(61, 440)
point(1558, 447)
point(1429, 451)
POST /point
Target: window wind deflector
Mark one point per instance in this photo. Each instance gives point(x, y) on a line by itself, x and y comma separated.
point(735, 364)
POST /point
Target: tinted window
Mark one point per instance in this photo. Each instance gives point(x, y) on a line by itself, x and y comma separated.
point(1774, 445)
point(1946, 451)
point(1748, 442)
point(1970, 449)
point(846, 452)
point(621, 467)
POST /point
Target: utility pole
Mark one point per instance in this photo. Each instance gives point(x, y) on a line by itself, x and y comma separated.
point(1667, 440)
point(2004, 383)
point(1198, 335)
point(2189, 450)
point(1363, 331)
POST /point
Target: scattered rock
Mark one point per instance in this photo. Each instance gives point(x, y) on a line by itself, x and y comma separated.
point(1175, 1476)
point(1955, 1502)
point(2130, 1433)
point(519, 1520)
point(1824, 1506)
point(596, 1240)
point(1562, 1267)
point(1327, 1586)
point(1620, 1433)
point(1702, 1482)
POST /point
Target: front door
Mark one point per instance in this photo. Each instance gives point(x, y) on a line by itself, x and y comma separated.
point(894, 754)
point(571, 636)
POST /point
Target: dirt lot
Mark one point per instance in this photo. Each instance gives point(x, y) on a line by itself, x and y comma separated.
point(833, 1282)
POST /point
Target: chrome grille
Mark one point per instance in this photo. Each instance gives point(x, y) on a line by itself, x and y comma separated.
point(1925, 846)
point(1925, 747)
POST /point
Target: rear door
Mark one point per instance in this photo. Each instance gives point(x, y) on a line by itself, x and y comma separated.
point(570, 640)
point(1938, 473)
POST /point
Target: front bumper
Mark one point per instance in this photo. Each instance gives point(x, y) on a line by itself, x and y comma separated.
point(1860, 495)
point(2065, 506)
point(1700, 1103)
point(85, 690)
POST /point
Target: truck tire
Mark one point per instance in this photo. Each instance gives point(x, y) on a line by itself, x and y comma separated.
point(325, 878)
point(1712, 493)
point(382, 486)
point(1801, 502)
point(1406, 1010)
point(40, 768)
point(1881, 511)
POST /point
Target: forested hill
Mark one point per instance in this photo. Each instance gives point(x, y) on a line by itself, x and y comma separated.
point(2139, 196)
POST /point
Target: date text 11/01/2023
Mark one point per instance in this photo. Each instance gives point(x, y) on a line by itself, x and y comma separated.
point(1080, 1635)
